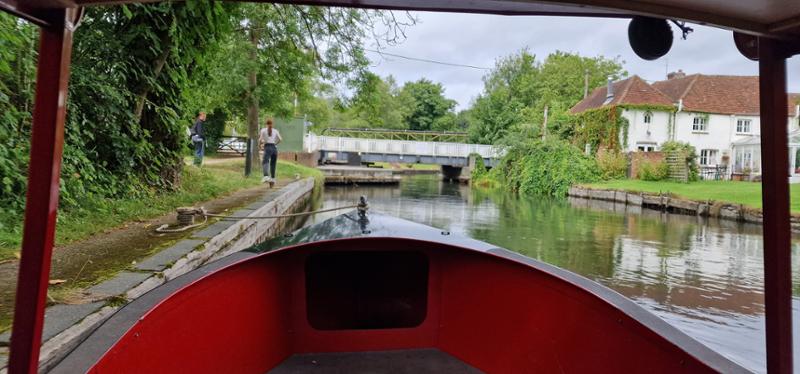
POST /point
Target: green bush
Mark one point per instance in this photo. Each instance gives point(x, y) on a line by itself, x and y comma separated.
point(479, 171)
point(612, 165)
point(546, 167)
point(653, 170)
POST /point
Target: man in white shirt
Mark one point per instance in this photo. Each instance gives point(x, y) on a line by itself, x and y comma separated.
point(269, 139)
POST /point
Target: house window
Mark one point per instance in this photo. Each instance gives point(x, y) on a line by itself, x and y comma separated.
point(708, 157)
point(648, 117)
point(699, 124)
point(744, 126)
point(646, 147)
point(744, 161)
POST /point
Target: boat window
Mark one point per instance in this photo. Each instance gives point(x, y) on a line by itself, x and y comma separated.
point(347, 290)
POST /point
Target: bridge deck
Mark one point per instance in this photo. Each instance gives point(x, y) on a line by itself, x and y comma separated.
point(408, 151)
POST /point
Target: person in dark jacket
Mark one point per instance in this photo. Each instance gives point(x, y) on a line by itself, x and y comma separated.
point(198, 138)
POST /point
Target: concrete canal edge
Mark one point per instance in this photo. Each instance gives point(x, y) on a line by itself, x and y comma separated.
point(671, 204)
point(67, 325)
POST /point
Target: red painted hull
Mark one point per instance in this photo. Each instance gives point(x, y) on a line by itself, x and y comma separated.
point(493, 310)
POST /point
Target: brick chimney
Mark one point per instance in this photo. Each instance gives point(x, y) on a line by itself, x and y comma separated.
point(676, 74)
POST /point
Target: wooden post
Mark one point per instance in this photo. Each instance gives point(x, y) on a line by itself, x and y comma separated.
point(775, 197)
point(544, 124)
point(47, 141)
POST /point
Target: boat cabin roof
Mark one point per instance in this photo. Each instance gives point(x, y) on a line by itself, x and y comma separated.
point(780, 18)
point(352, 225)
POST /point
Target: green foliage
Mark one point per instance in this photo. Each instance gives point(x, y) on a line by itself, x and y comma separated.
point(689, 153)
point(376, 103)
point(612, 165)
point(214, 128)
point(426, 107)
point(289, 50)
point(125, 127)
point(479, 169)
point(18, 41)
point(600, 128)
point(518, 89)
point(546, 167)
point(652, 170)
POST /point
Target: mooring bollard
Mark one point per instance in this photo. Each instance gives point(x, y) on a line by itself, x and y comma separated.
point(186, 215)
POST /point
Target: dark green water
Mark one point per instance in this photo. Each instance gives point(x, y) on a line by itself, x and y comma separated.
point(703, 276)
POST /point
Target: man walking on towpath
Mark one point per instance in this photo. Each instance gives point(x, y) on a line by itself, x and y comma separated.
point(269, 139)
point(199, 138)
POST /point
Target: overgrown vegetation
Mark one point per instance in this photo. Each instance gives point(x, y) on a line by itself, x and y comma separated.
point(545, 167)
point(653, 170)
point(125, 128)
point(612, 164)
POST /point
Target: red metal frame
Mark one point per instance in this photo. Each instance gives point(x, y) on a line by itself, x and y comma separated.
point(775, 197)
point(45, 163)
point(47, 142)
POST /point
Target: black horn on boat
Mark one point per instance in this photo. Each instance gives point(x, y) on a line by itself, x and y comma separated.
point(649, 37)
point(747, 45)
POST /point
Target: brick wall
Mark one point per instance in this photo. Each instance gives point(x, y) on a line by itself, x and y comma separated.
point(636, 159)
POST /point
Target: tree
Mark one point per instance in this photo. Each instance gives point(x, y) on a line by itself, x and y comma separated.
point(17, 75)
point(425, 104)
point(375, 102)
point(519, 88)
point(279, 51)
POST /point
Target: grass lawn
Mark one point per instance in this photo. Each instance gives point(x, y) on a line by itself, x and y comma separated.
point(198, 184)
point(746, 193)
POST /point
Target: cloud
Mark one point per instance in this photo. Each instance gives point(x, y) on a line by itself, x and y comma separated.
point(480, 40)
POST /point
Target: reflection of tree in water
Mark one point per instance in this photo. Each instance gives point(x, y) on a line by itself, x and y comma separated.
point(671, 259)
point(550, 230)
point(686, 263)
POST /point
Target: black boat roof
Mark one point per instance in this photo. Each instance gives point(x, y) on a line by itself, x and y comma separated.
point(373, 224)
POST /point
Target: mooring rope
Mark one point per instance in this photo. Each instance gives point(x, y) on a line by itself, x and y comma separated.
point(287, 215)
point(202, 212)
point(164, 228)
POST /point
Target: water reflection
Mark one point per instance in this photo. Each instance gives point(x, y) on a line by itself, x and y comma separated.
point(703, 275)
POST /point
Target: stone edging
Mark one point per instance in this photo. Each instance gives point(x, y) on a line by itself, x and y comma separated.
point(68, 325)
point(667, 203)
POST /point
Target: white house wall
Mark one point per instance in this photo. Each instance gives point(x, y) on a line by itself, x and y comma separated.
point(656, 132)
point(720, 132)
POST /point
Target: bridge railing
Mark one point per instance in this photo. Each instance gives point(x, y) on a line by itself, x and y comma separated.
point(315, 142)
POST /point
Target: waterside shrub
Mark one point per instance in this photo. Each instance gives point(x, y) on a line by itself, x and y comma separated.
point(612, 165)
point(651, 170)
point(545, 167)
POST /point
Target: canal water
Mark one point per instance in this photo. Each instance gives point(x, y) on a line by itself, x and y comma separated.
point(703, 276)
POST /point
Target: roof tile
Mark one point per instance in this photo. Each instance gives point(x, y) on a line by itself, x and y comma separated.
point(630, 91)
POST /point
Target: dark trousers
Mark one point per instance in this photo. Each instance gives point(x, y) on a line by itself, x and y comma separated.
point(199, 150)
point(270, 160)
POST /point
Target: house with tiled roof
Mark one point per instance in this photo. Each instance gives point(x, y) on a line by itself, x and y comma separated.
point(647, 128)
point(714, 113)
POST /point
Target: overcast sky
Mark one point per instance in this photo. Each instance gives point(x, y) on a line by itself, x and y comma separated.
point(480, 40)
